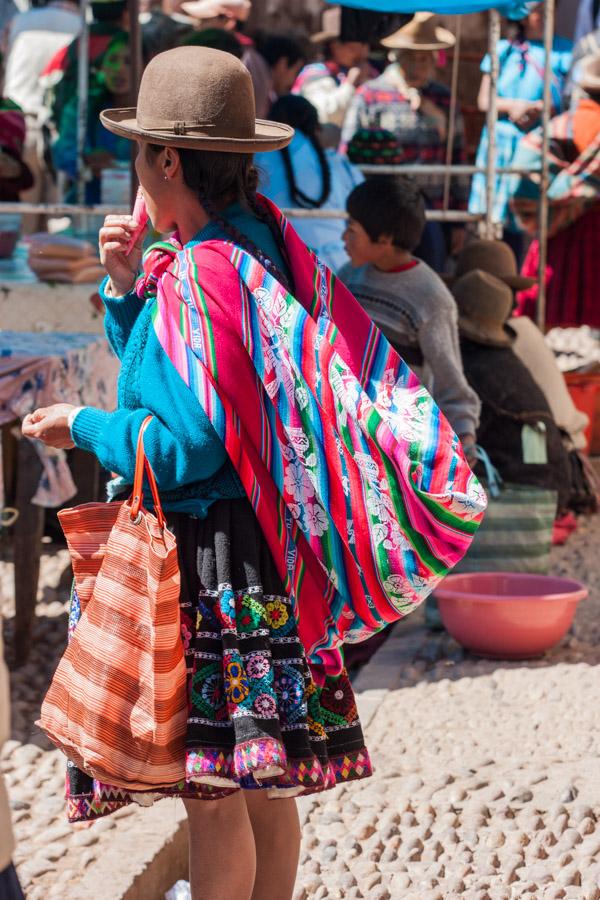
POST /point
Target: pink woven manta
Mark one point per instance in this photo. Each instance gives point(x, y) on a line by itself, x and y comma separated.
point(357, 479)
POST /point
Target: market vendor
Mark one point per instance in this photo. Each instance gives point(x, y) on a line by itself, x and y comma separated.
point(109, 86)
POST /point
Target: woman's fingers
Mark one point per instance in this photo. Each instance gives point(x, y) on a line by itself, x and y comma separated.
point(114, 234)
point(113, 247)
point(37, 415)
point(128, 221)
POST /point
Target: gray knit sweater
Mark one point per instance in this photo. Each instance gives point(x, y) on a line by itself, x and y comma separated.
point(417, 313)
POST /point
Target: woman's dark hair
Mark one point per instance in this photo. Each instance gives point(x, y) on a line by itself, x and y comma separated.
point(303, 117)
point(392, 207)
point(274, 47)
point(217, 38)
point(219, 179)
point(109, 11)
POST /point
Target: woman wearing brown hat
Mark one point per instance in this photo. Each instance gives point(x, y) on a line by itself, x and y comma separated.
point(517, 428)
point(496, 258)
point(262, 724)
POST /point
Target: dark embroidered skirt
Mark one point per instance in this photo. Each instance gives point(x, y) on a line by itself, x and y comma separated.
point(257, 717)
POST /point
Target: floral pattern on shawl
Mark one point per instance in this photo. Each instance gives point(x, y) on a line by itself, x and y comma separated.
point(353, 472)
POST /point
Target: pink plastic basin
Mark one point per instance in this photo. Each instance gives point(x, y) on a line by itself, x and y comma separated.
point(508, 616)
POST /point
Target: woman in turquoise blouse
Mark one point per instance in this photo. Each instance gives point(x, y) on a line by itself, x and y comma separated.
point(520, 100)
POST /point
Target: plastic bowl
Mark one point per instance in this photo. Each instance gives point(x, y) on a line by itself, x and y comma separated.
point(508, 616)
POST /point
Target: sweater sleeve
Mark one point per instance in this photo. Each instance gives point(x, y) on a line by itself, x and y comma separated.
point(181, 443)
point(193, 455)
point(438, 338)
point(121, 316)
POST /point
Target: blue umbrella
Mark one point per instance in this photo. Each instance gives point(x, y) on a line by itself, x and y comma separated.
point(514, 9)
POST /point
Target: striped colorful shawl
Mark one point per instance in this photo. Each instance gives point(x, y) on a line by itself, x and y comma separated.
point(574, 178)
point(357, 479)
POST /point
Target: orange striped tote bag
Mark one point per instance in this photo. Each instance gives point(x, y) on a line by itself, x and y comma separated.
point(117, 705)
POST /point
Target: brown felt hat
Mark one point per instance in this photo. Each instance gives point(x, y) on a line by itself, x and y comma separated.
point(200, 98)
point(494, 257)
point(484, 305)
point(421, 33)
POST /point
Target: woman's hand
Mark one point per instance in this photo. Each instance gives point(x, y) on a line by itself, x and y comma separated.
point(468, 442)
point(525, 113)
point(50, 425)
point(113, 239)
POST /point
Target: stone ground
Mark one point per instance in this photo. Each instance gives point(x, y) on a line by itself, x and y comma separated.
point(487, 782)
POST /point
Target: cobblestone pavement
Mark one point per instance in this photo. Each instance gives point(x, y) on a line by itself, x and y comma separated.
point(487, 782)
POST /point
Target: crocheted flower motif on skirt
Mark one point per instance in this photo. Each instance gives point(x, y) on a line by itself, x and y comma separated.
point(257, 718)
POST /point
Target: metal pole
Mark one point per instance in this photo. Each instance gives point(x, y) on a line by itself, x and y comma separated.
point(136, 62)
point(82, 100)
point(492, 119)
point(549, 9)
point(452, 112)
point(73, 209)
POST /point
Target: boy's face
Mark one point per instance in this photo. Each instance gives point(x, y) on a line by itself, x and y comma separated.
point(359, 246)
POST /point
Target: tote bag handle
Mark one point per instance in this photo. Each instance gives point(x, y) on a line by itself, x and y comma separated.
point(492, 475)
point(141, 465)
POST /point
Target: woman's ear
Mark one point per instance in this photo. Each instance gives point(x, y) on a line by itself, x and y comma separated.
point(171, 163)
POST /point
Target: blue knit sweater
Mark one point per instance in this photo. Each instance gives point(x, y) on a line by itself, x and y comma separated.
point(187, 456)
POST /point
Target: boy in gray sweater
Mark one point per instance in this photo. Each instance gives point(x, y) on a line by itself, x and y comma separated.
point(404, 297)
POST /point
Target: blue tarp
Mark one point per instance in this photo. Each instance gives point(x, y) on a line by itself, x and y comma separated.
point(514, 9)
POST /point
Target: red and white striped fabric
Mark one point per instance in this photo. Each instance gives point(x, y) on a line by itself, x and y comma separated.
point(117, 705)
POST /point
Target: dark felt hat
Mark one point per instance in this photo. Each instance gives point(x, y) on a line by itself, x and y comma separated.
point(494, 257)
point(200, 98)
point(484, 305)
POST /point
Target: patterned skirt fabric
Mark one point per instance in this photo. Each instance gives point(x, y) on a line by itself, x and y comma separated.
point(258, 717)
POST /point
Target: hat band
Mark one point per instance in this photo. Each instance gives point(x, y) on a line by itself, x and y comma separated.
point(177, 126)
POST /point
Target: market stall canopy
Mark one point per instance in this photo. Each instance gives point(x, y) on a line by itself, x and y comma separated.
point(514, 9)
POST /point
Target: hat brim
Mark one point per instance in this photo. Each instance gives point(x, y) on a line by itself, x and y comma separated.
point(195, 10)
point(444, 41)
point(267, 135)
point(503, 336)
point(516, 282)
point(322, 36)
point(591, 85)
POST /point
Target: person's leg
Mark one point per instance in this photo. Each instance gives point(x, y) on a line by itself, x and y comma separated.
point(222, 853)
point(277, 836)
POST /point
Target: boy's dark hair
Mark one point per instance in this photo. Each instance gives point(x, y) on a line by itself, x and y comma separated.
point(391, 206)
